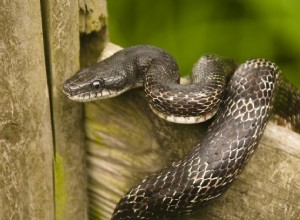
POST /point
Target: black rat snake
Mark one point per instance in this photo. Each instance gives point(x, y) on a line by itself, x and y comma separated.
point(241, 98)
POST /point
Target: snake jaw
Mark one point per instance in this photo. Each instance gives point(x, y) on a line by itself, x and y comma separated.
point(91, 91)
point(93, 96)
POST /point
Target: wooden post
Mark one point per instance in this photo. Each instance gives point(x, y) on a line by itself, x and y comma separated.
point(26, 143)
point(62, 46)
point(42, 154)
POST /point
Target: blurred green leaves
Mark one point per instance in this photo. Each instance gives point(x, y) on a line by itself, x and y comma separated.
point(233, 28)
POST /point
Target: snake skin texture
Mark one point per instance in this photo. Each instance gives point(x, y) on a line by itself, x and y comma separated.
point(168, 99)
point(193, 103)
point(243, 105)
point(207, 171)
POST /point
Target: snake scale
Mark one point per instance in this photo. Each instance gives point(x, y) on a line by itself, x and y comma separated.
point(241, 99)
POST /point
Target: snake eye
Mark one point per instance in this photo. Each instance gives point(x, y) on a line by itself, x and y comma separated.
point(96, 84)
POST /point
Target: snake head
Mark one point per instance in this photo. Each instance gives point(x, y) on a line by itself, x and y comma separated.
point(96, 82)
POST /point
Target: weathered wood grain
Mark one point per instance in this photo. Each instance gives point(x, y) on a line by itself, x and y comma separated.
point(62, 47)
point(26, 144)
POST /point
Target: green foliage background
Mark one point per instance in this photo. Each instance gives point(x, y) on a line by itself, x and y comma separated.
point(233, 28)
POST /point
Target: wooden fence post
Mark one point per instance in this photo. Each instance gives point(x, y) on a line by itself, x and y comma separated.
point(62, 46)
point(26, 143)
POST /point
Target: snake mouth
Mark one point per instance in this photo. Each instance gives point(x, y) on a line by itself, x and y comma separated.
point(91, 95)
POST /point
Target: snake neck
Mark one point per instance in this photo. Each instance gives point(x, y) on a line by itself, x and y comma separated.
point(158, 72)
point(122, 71)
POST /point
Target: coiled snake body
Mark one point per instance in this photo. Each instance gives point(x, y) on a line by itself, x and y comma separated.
point(242, 106)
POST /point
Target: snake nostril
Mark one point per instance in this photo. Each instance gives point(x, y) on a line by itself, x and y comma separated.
point(69, 88)
point(66, 89)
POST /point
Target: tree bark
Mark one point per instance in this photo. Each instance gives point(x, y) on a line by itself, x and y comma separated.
point(127, 142)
